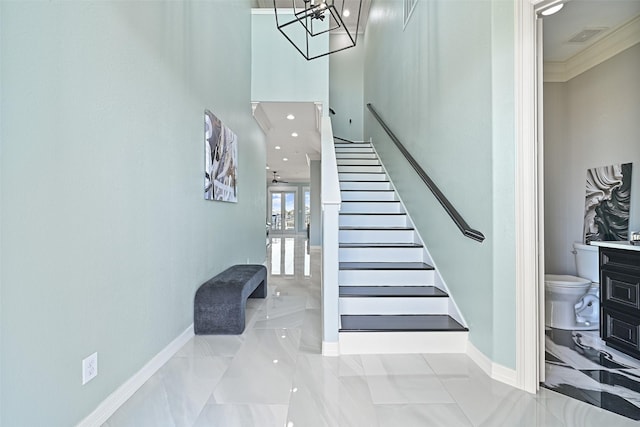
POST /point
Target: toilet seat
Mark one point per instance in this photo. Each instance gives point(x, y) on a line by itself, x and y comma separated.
point(565, 281)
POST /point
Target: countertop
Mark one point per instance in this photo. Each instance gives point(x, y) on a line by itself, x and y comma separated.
point(617, 245)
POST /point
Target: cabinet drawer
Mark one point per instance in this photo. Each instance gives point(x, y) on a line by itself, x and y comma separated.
point(620, 259)
point(621, 331)
point(622, 290)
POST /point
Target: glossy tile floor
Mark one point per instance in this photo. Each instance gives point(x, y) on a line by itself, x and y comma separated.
point(274, 375)
point(580, 365)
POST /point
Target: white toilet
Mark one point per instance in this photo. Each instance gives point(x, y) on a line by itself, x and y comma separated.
point(573, 302)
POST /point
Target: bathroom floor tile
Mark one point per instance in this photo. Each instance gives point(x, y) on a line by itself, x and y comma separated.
point(580, 365)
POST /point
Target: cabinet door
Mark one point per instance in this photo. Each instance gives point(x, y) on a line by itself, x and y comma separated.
point(621, 331)
point(620, 291)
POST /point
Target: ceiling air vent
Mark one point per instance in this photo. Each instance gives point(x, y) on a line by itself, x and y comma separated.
point(586, 35)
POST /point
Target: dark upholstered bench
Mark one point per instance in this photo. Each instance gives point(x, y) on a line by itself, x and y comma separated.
point(219, 305)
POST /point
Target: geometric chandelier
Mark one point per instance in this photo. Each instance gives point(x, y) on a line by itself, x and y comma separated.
point(307, 24)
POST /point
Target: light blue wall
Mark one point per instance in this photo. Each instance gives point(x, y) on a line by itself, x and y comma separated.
point(504, 157)
point(346, 86)
point(279, 72)
point(442, 84)
point(105, 233)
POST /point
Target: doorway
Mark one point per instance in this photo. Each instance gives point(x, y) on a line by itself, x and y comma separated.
point(282, 208)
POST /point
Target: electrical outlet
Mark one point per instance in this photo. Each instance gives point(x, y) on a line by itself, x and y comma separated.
point(89, 368)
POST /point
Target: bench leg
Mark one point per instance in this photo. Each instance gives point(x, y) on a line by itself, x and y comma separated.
point(260, 291)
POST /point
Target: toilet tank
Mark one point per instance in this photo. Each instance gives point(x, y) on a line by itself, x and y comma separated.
point(587, 261)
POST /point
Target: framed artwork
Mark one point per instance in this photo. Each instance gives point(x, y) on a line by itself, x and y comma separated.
point(606, 211)
point(221, 160)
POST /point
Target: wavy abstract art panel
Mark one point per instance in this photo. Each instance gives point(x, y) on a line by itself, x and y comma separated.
point(221, 160)
point(607, 203)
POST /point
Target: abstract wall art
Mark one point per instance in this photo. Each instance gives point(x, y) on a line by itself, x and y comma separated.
point(221, 160)
point(606, 214)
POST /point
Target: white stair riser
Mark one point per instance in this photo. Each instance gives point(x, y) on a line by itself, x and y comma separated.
point(371, 207)
point(380, 254)
point(352, 144)
point(382, 185)
point(360, 168)
point(354, 150)
point(402, 342)
point(367, 195)
point(341, 156)
point(372, 220)
point(379, 236)
point(395, 305)
point(385, 277)
point(362, 176)
point(358, 162)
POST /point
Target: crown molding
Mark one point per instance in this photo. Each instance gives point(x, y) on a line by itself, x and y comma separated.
point(612, 44)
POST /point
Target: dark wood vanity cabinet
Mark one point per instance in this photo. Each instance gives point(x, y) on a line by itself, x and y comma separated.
point(620, 299)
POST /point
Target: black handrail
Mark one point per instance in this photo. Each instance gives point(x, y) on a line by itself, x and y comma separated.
point(446, 204)
point(343, 139)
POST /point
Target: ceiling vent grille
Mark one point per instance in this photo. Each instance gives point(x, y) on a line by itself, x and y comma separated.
point(586, 35)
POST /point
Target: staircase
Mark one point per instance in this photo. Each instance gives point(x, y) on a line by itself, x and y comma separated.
point(388, 298)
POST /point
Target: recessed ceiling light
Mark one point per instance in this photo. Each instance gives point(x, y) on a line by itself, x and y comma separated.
point(268, 168)
point(346, 13)
point(284, 159)
point(291, 117)
point(295, 134)
point(552, 9)
point(277, 147)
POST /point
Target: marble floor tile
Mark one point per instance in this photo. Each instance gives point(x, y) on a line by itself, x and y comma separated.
point(262, 370)
point(453, 365)
point(580, 365)
point(281, 312)
point(148, 407)
point(273, 375)
point(394, 389)
point(242, 415)
point(488, 402)
point(211, 345)
point(311, 332)
point(420, 415)
point(395, 364)
point(188, 383)
point(574, 412)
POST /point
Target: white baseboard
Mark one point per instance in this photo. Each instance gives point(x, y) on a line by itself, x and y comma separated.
point(494, 370)
point(331, 349)
point(111, 404)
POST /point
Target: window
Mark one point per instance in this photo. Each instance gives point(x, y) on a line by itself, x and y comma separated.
point(409, 5)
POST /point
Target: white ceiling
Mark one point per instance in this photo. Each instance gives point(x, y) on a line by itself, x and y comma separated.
point(579, 15)
point(272, 117)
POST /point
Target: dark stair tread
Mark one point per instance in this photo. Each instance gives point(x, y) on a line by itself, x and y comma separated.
point(381, 245)
point(371, 201)
point(362, 180)
point(392, 291)
point(370, 228)
point(372, 213)
point(384, 266)
point(398, 323)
